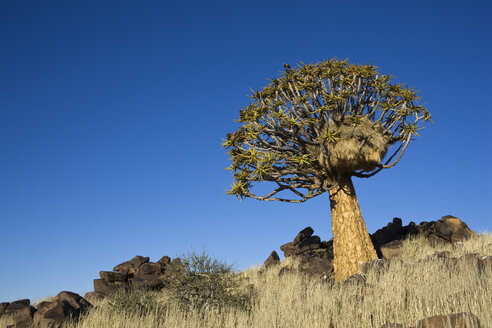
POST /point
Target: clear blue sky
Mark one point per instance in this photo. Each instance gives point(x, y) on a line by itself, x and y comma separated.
point(112, 115)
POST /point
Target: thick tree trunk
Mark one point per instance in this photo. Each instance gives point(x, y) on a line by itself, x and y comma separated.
point(352, 245)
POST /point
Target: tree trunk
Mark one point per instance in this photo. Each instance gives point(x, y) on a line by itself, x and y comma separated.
point(352, 245)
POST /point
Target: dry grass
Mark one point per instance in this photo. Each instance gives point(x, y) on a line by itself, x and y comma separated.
point(405, 292)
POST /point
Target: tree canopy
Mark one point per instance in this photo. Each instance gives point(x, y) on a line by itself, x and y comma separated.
point(317, 122)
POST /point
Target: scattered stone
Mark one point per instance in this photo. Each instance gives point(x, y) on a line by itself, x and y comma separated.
point(458, 320)
point(272, 260)
point(391, 250)
point(23, 318)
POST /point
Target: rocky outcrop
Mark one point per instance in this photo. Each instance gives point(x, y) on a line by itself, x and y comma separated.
point(448, 229)
point(272, 260)
point(47, 314)
point(137, 273)
point(316, 256)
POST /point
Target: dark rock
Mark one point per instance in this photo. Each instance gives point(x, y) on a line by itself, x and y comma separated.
point(106, 288)
point(303, 234)
point(453, 229)
point(74, 299)
point(410, 230)
point(435, 240)
point(288, 249)
point(317, 266)
point(272, 260)
point(177, 262)
point(138, 260)
point(94, 297)
point(310, 243)
point(41, 305)
point(165, 260)
point(391, 249)
point(148, 269)
point(23, 318)
point(146, 282)
point(66, 305)
point(392, 231)
point(3, 306)
point(111, 276)
point(17, 305)
point(125, 268)
point(458, 320)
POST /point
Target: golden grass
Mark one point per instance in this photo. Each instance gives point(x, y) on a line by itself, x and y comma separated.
point(405, 292)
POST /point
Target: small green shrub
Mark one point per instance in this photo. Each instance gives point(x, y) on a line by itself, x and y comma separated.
point(206, 282)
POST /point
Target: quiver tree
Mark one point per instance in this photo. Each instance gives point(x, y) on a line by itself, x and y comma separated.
point(311, 130)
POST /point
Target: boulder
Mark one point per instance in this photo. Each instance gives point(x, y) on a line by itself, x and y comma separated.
point(16, 306)
point(453, 229)
point(147, 282)
point(125, 268)
point(391, 250)
point(392, 231)
point(309, 243)
point(288, 249)
point(303, 234)
point(23, 318)
point(138, 260)
point(66, 305)
point(111, 276)
point(3, 306)
point(106, 288)
point(148, 269)
point(165, 260)
point(458, 320)
point(272, 260)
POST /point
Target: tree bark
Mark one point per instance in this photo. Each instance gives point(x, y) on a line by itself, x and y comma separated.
point(352, 245)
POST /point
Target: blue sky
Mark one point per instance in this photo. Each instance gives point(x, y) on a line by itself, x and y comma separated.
point(112, 115)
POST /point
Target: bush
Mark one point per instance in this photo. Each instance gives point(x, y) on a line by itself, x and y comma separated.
point(206, 282)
